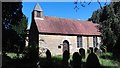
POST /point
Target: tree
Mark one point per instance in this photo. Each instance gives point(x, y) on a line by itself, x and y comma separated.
point(14, 24)
point(109, 19)
point(83, 3)
point(11, 14)
point(21, 31)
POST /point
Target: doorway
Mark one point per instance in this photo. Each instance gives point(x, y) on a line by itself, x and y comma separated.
point(65, 46)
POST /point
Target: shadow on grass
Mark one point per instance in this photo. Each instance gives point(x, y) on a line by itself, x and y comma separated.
point(57, 63)
point(106, 56)
point(7, 62)
point(109, 66)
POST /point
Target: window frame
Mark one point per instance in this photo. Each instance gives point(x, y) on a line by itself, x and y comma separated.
point(79, 42)
point(88, 42)
point(95, 41)
point(38, 14)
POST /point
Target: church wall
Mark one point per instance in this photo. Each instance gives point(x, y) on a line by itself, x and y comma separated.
point(52, 42)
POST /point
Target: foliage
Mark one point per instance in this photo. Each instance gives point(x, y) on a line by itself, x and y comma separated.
point(11, 14)
point(109, 19)
point(21, 32)
point(31, 54)
point(14, 55)
point(14, 25)
point(85, 3)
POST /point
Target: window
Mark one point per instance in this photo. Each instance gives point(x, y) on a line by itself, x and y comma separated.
point(59, 47)
point(95, 42)
point(88, 42)
point(38, 13)
point(79, 41)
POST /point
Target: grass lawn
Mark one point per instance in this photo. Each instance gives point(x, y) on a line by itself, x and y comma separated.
point(14, 55)
point(105, 60)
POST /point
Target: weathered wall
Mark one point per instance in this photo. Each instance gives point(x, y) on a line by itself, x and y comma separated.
point(52, 42)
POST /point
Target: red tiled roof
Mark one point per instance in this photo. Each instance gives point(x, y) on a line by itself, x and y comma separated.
point(66, 26)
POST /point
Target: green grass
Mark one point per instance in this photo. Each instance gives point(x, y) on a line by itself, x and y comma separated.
point(14, 55)
point(58, 57)
point(106, 61)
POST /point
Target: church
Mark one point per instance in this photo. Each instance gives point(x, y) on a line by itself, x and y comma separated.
point(60, 34)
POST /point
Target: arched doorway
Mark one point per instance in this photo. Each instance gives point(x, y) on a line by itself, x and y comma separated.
point(65, 45)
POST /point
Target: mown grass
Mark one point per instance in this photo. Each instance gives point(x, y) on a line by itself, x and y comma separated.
point(107, 62)
point(14, 55)
point(105, 59)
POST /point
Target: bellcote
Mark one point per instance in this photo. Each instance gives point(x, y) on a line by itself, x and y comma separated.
point(37, 12)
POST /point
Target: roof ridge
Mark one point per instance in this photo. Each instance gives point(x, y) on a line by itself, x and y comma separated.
point(69, 19)
point(64, 18)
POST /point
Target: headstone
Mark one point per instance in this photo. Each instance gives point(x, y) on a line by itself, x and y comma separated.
point(103, 48)
point(82, 52)
point(92, 61)
point(48, 59)
point(66, 57)
point(95, 49)
point(88, 51)
point(91, 49)
point(76, 60)
point(48, 54)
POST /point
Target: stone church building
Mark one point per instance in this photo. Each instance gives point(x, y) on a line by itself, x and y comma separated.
point(60, 34)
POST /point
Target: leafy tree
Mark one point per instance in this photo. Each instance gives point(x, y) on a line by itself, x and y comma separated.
point(14, 25)
point(11, 14)
point(109, 19)
point(21, 31)
point(84, 3)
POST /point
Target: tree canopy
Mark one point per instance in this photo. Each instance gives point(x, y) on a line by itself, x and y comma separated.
point(109, 19)
point(14, 24)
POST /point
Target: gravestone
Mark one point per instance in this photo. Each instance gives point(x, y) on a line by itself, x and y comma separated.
point(104, 49)
point(88, 51)
point(66, 57)
point(95, 49)
point(76, 60)
point(82, 52)
point(92, 61)
point(48, 59)
point(91, 50)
